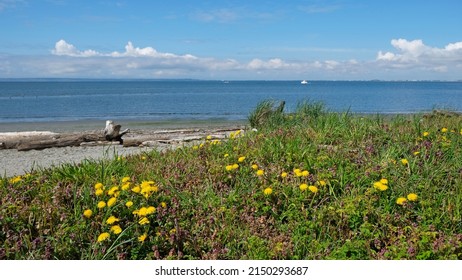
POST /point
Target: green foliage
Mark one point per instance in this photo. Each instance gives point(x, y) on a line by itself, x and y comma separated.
point(308, 185)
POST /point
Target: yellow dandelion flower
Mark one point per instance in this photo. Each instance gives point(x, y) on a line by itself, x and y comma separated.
point(283, 174)
point(136, 189)
point(87, 213)
point(313, 189)
point(298, 172)
point(103, 236)
point(99, 192)
point(380, 186)
point(163, 204)
point(416, 153)
point(144, 221)
point(404, 161)
point(384, 181)
point(101, 204)
point(235, 166)
point(303, 187)
point(116, 229)
point(444, 130)
point(112, 190)
point(305, 173)
point(412, 197)
point(322, 183)
point(129, 204)
point(260, 172)
point(254, 166)
point(141, 238)
point(15, 179)
point(99, 186)
point(126, 186)
point(111, 201)
point(241, 159)
point(229, 167)
point(426, 133)
point(401, 200)
point(209, 137)
point(268, 191)
point(125, 179)
point(111, 220)
point(142, 211)
point(226, 155)
point(150, 210)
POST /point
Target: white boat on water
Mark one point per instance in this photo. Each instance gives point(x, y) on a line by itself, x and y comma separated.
point(304, 82)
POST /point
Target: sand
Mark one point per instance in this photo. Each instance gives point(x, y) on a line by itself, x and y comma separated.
point(13, 162)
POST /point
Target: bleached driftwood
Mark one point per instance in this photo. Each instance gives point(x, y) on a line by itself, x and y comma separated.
point(112, 132)
point(36, 141)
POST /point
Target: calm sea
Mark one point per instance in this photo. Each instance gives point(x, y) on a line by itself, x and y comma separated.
point(173, 100)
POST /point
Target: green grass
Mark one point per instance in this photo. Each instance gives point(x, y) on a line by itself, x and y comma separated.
point(203, 206)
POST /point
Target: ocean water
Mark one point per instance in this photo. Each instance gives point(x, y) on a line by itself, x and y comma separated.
point(185, 100)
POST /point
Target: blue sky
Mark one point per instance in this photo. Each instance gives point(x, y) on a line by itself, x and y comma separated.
point(264, 40)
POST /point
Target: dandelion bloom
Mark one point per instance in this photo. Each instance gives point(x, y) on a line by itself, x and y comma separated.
point(303, 187)
point(305, 173)
point(111, 220)
point(235, 166)
point(268, 191)
point(260, 172)
point(103, 236)
point(129, 203)
point(136, 189)
point(101, 204)
point(116, 229)
point(126, 186)
point(163, 204)
point(209, 137)
point(416, 153)
point(380, 186)
point(284, 174)
point(111, 201)
point(229, 167)
point(125, 179)
point(99, 186)
point(401, 200)
point(113, 190)
point(313, 189)
point(412, 197)
point(15, 179)
point(322, 183)
point(444, 130)
point(298, 172)
point(404, 161)
point(99, 192)
point(226, 155)
point(87, 213)
point(141, 238)
point(144, 221)
point(241, 159)
point(150, 210)
point(254, 166)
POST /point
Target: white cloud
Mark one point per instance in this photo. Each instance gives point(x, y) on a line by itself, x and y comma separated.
point(415, 54)
point(63, 48)
point(409, 60)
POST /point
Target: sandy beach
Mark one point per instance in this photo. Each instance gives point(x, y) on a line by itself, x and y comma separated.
point(158, 136)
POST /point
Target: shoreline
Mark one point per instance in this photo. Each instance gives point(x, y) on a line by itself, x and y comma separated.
point(157, 135)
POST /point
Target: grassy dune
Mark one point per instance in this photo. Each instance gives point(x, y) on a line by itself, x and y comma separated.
point(311, 184)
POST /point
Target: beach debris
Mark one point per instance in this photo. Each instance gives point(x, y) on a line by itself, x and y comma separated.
point(112, 132)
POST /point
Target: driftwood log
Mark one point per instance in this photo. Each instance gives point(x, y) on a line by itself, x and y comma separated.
point(110, 134)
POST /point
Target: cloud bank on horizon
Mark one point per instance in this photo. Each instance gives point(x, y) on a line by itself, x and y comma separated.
point(147, 62)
